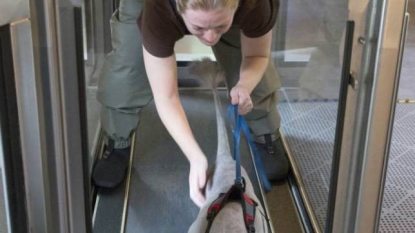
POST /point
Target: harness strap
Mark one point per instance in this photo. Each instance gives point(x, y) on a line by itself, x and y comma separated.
point(214, 209)
point(248, 207)
point(235, 193)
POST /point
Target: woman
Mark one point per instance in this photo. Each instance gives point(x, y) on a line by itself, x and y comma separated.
point(239, 32)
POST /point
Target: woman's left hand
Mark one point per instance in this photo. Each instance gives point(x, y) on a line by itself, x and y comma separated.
point(241, 96)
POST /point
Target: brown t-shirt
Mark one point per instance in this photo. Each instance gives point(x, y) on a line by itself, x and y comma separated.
point(161, 25)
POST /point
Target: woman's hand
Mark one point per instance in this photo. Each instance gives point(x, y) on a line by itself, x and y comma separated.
point(240, 96)
point(197, 179)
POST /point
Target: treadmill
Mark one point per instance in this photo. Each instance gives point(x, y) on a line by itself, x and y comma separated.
point(155, 194)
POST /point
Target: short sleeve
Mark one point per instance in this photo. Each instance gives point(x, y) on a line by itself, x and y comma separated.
point(260, 19)
point(158, 31)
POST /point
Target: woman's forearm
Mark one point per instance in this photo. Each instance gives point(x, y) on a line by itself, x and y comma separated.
point(252, 70)
point(174, 118)
point(255, 59)
point(162, 75)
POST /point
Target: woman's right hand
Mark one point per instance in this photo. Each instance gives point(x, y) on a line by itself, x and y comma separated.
point(197, 179)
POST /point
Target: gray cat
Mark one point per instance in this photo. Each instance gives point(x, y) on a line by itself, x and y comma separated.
point(222, 175)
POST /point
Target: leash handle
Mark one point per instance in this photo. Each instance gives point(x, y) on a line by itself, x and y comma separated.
point(241, 124)
point(233, 113)
point(257, 159)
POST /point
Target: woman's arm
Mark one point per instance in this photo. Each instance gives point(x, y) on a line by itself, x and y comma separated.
point(255, 58)
point(162, 75)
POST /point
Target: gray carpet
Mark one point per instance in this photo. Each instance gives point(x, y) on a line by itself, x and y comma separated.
point(309, 128)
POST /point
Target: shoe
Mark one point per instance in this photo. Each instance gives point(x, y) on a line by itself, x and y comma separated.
point(110, 170)
point(273, 158)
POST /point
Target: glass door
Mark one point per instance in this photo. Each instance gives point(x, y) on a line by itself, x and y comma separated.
point(61, 104)
point(308, 53)
point(336, 101)
point(44, 161)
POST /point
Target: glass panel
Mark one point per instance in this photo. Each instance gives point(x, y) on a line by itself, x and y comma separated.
point(8, 147)
point(399, 197)
point(95, 47)
point(3, 212)
point(4, 215)
point(309, 37)
point(407, 79)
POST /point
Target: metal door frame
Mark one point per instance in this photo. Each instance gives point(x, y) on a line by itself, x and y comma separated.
point(59, 71)
point(50, 98)
point(369, 116)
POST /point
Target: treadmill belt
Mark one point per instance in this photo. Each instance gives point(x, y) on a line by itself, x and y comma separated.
point(159, 194)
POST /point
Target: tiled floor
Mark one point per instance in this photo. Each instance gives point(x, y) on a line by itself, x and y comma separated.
point(399, 201)
point(309, 129)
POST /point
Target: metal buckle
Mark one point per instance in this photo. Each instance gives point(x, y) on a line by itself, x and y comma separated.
point(240, 183)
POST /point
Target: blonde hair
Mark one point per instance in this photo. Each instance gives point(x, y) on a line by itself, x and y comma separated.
point(183, 5)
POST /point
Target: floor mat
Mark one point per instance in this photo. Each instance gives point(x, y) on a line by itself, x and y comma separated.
point(309, 128)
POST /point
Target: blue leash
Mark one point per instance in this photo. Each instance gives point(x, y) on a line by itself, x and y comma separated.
point(240, 124)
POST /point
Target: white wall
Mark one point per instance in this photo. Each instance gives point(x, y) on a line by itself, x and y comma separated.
point(13, 10)
point(190, 48)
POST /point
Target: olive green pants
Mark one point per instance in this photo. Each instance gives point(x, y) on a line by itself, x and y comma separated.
point(123, 88)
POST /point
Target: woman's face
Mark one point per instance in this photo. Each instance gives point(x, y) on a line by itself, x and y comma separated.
point(208, 26)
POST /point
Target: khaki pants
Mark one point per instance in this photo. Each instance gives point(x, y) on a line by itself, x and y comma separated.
point(123, 88)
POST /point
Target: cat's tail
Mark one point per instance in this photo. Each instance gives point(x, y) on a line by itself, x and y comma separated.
point(208, 72)
point(211, 74)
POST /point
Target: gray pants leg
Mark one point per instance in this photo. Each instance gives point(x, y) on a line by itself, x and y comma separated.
point(264, 118)
point(123, 87)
